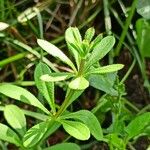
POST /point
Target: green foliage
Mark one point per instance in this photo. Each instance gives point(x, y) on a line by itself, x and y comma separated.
point(88, 119)
point(87, 52)
point(76, 129)
point(143, 8)
point(22, 95)
point(64, 146)
point(56, 52)
point(143, 37)
point(18, 122)
point(34, 134)
point(100, 50)
point(137, 125)
point(80, 83)
point(47, 89)
point(9, 135)
point(104, 82)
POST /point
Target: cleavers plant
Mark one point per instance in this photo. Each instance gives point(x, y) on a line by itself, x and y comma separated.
point(86, 53)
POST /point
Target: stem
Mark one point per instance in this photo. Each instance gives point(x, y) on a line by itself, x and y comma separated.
point(65, 104)
point(129, 71)
point(63, 107)
point(125, 29)
point(12, 59)
point(81, 67)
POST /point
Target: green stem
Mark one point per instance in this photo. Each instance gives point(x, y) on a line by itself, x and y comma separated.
point(63, 107)
point(65, 104)
point(12, 59)
point(81, 67)
point(125, 29)
point(129, 71)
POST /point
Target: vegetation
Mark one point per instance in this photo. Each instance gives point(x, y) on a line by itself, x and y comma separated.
point(69, 79)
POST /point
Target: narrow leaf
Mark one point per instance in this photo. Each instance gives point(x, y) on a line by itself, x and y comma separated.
point(54, 77)
point(47, 89)
point(100, 50)
point(104, 82)
point(16, 118)
point(76, 129)
point(89, 34)
point(107, 69)
point(89, 120)
point(64, 146)
point(72, 35)
point(79, 83)
point(22, 95)
point(3, 26)
point(9, 135)
point(56, 52)
point(138, 125)
point(34, 134)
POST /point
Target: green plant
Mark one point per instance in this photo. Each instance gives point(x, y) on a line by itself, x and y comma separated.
point(87, 53)
point(84, 72)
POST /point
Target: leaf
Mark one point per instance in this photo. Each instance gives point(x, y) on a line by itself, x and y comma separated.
point(74, 95)
point(89, 34)
point(22, 95)
point(3, 26)
point(89, 120)
point(107, 69)
point(76, 129)
point(34, 134)
point(143, 8)
point(104, 82)
point(16, 118)
point(72, 35)
point(117, 142)
point(100, 50)
point(9, 135)
point(137, 126)
point(56, 52)
point(26, 15)
point(97, 40)
point(64, 146)
point(55, 77)
point(73, 40)
point(143, 37)
point(47, 89)
point(80, 83)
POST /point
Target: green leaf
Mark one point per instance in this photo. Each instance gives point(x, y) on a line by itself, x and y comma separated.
point(9, 135)
point(104, 82)
point(117, 142)
point(100, 50)
point(3, 26)
point(80, 83)
point(22, 95)
point(76, 129)
point(72, 35)
point(55, 77)
point(34, 134)
point(143, 37)
point(73, 40)
point(97, 40)
point(16, 118)
point(143, 8)
point(64, 146)
point(56, 52)
point(47, 89)
point(74, 95)
point(89, 34)
point(137, 126)
point(89, 120)
point(107, 69)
